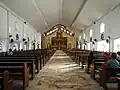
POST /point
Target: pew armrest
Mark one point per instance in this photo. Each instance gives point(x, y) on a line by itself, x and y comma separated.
point(27, 77)
point(118, 81)
point(10, 84)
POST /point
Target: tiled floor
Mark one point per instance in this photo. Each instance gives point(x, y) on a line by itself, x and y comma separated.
point(61, 73)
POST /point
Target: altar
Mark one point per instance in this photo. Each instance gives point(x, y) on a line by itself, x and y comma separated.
point(59, 42)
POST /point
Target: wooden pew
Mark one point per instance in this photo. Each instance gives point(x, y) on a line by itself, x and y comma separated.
point(96, 65)
point(36, 56)
point(106, 78)
point(40, 59)
point(43, 55)
point(82, 58)
point(18, 73)
point(7, 61)
point(5, 81)
point(78, 56)
point(31, 55)
point(36, 61)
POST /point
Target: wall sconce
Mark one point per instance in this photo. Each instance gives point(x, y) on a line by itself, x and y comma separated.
point(17, 36)
point(102, 36)
point(108, 40)
point(94, 22)
point(25, 43)
point(28, 39)
point(90, 39)
point(109, 37)
point(10, 36)
point(23, 39)
point(95, 40)
point(11, 40)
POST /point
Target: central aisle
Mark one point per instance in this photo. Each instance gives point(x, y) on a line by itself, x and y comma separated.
point(61, 73)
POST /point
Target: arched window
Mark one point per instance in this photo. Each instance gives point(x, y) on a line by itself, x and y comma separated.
point(10, 30)
point(117, 45)
point(84, 36)
point(79, 37)
point(102, 28)
point(91, 32)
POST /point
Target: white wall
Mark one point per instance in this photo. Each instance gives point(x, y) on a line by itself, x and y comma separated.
point(12, 24)
point(15, 26)
point(3, 23)
point(112, 27)
point(3, 28)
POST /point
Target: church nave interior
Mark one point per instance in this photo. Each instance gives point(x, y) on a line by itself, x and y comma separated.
point(59, 45)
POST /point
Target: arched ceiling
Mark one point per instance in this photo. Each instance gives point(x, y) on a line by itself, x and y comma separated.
point(75, 14)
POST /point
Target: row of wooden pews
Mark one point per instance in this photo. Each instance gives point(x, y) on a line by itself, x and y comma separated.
point(106, 80)
point(100, 73)
point(23, 65)
point(79, 56)
point(98, 70)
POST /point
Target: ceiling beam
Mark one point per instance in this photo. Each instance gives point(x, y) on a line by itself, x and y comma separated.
point(60, 3)
point(79, 11)
point(42, 15)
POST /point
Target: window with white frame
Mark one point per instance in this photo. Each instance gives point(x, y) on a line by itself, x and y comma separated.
point(79, 37)
point(84, 36)
point(79, 46)
point(117, 45)
point(103, 46)
point(10, 30)
point(102, 28)
point(91, 32)
point(79, 41)
point(83, 46)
